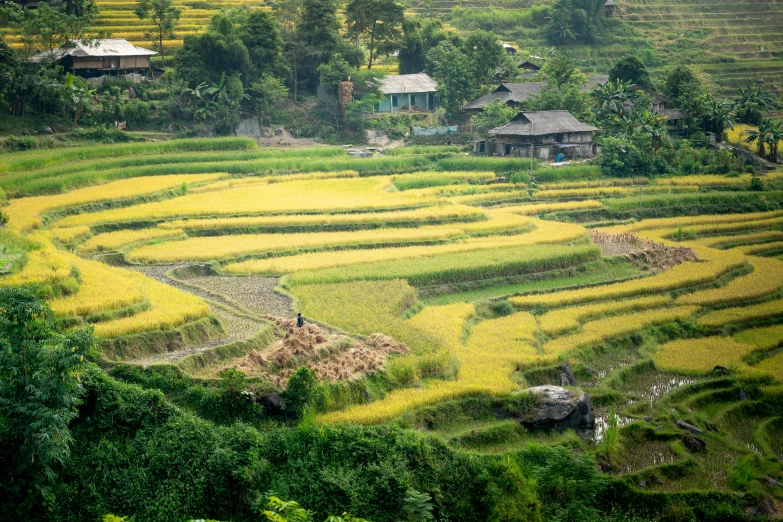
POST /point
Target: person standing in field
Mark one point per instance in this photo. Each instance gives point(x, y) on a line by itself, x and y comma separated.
point(299, 320)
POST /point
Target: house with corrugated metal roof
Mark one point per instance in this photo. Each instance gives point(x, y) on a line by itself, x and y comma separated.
point(98, 58)
point(408, 93)
point(545, 135)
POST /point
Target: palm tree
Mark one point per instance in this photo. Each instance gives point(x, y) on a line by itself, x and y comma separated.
point(761, 137)
point(611, 97)
point(775, 137)
point(716, 116)
point(650, 125)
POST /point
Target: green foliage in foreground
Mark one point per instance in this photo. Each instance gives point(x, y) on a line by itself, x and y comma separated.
point(134, 454)
point(39, 389)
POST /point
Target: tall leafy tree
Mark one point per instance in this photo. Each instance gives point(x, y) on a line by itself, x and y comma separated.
point(452, 69)
point(40, 388)
point(81, 8)
point(377, 21)
point(486, 57)
point(264, 42)
point(46, 28)
point(417, 40)
point(681, 84)
point(207, 56)
point(631, 69)
point(163, 15)
point(317, 36)
point(575, 22)
point(288, 13)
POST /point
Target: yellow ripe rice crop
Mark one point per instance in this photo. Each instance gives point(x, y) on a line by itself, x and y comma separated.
point(496, 348)
point(762, 338)
point(735, 227)
point(221, 247)
point(545, 232)
point(45, 265)
point(761, 248)
point(259, 180)
point(24, 213)
point(493, 351)
point(563, 319)
point(604, 329)
point(540, 208)
point(688, 221)
point(767, 277)
point(714, 264)
point(498, 222)
point(101, 288)
point(747, 239)
point(700, 355)
point(584, 192)
point(445, 322)
point(68, 234)
point(738, 134)
point(483, 197)
point(294, 197)
point(772, 366)
point(742, 314)
point(119, 238)
point(706, 180)
point(440, 178)
point(169, 308)
point(610, 191)
point(438, 212)
point(618, 182)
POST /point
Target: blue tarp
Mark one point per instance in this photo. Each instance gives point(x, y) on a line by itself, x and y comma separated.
point(421, 131)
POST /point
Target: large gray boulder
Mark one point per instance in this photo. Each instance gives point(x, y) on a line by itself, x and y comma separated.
point(250, 128)
point(560, 409)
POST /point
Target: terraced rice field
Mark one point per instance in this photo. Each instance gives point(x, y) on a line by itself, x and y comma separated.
point(172, 252)
point(116, 17)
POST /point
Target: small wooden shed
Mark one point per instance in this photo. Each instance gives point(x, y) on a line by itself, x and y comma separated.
point(609, 8)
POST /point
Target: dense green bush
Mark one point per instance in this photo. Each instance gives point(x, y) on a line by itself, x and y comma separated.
point(134, 455)
point(18, 144)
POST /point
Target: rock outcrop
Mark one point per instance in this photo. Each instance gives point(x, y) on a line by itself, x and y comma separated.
point(250, 128)
point(559, 409)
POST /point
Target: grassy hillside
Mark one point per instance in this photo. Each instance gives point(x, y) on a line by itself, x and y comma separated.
point(731, 41)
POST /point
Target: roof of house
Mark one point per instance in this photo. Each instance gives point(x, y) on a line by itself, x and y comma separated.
point(525, 63)
point(656, 97)
point(672, 114)
point(101, 48)
point(610, 2)
point(408, 83)
point(506, 92)
point(541, 123)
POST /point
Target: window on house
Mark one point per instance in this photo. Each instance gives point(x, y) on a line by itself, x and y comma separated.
point(395, 102)
point(559, 138)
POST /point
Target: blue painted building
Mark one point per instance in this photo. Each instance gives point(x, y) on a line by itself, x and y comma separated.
point(408, 92)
